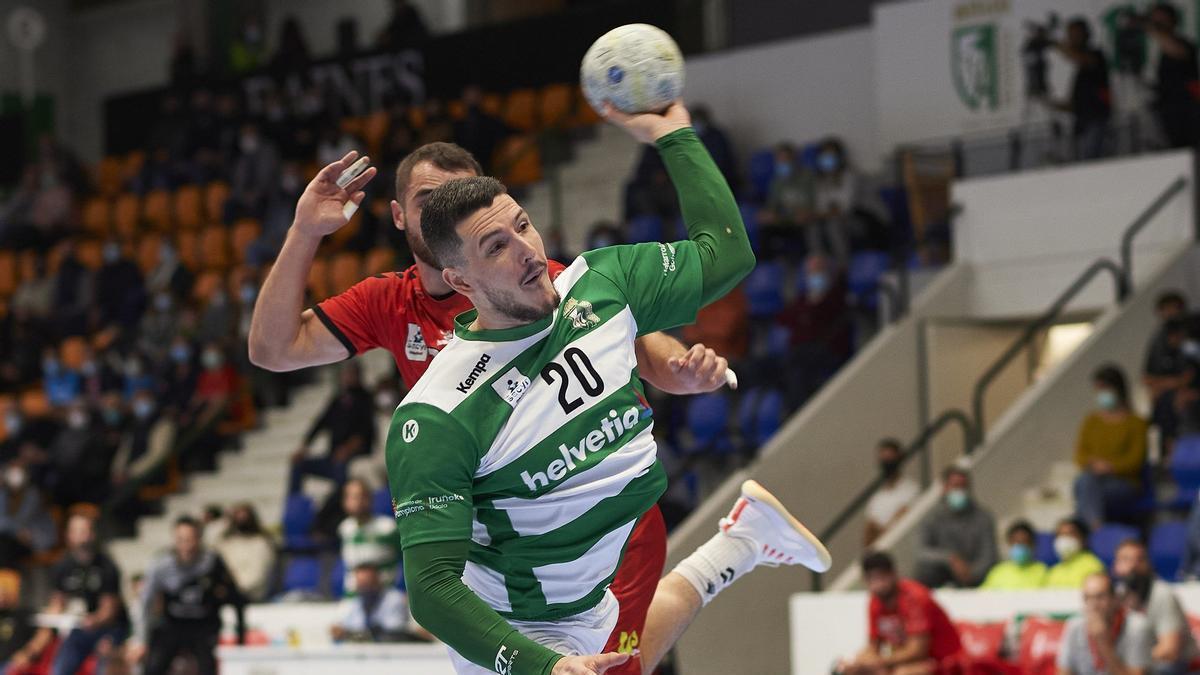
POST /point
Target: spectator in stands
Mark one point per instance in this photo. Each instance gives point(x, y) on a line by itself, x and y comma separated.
point(478, 131)
point(144, 448)
point(33, 300)
point(1110, 451)
point(62, 384)
point(16, 623)
point(791, 202)
point(137, 375)
point(893, 497)
point(819, 323)
point(120, 293)
point(180, 376)
point(97, 377)
point(716, 141)
point(1178, 76)
point(1021, 571)
point(958, 538)
point(1105, 639)
point(248, 49)
point(169, 276)
point(216, 318)
point(334, 143)
point(87, 582)
point(248, 551)
point(404, 30)
point(909, 632)
point(377, 612)
point(349, 420)
point(723, 325)
point(292, 54)
point(254, 173)
point(1174, 648)
point(281, 206)
point(835, 199)
point(1169, 370)
point(213, 403)
point(73, 294)
point(1090, 103)
point(1075, 561)
point(158, 327)
point(25, 524)
point(80, 460)
point(190, 584)
point(367, 538)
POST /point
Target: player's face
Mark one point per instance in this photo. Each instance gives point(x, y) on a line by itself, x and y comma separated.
point(425, 178)
point(504, 263)
point(881, 584)
point(354, 500)
point(187, 542)
point(80, 533)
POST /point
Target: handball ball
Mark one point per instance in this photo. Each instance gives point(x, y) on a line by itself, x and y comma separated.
point(637, 67)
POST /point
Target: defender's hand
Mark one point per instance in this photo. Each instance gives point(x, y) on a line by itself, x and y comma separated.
point(700, 370)
point(589, 665)
point(649, 127)
point(320, 210)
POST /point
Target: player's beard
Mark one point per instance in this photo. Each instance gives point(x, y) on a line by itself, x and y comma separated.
point(504, 303)
point(418, 248)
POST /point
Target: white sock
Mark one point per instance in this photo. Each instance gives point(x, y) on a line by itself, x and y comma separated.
point(717, 564)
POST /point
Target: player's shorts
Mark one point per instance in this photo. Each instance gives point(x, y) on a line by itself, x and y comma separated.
point(584, 633)
point(634, 586)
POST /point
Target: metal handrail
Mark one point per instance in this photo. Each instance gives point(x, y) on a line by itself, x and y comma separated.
point(1031, 331)
point(1141, 221)
point(919, 445)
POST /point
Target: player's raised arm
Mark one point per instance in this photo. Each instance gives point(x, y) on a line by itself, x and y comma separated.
point(283, 335)
point(710, 212)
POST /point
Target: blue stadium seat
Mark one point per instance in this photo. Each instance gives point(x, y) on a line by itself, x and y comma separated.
point(337, 579)
point(400, 576)
point(808, 156)
point(1167, 544)
point(707, 420)
point(762, 171)
point(1105, 540)
point(750, 220)
point(302, 573)
point(764, 289)
point(1044, 548)
point(298, 516)
point(862, 277)
point(645, 228)
point(1185, 466)
point(381, 502)
point(779, 341)
point(770, 415)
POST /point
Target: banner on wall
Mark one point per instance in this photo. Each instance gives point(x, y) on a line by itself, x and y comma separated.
point(952, 68)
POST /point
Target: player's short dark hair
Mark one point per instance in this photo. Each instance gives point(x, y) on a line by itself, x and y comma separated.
point(877, 561)
point(891, 444)
point(955, 470)
point(1082, 24)
point(188, 521)
point(1131, 541)
point(1110, 375)
point(1020, 526)
point(447, 206)
point(1079, 525)
point(1169, 9)
point(1171, 297)
point(445, 156)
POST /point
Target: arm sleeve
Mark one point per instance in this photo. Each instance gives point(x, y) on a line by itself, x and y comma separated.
point(431, 462)
point(710, 213)
point(357, 316)
point(443, 605)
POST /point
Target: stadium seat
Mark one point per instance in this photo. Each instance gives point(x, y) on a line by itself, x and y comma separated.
point(213, 246)
point(779, 341)
point(644, 228)
point(156, 209)
point(379, 260)
point(337, 579)
point(125, 215)
point(345, 271)
point(245, 231)
point(188, 207)
point(90, 254)
point(862, 276)
point(1105, 540)
point(707, 418)
point(375, 130)
point(1044, 548)
point(216, 194)
point(97, 216)
point(760, 414)
point(520, 110)
point(492, 103)
point(1185, 466)
point(1167, 544)
point(318, 279)
point(302, 573)
point(750, 220)
point(555, 106)
point(298, 516)
point(8, 273)
point(585, 115)
point(518, 161)
point(205, 285)
point(33, 403)
point(108, 175)
point(381, 502)
point(147, 251)
point(764, 289)
point(1038, 645)
point(456, 109)
point(762, 172)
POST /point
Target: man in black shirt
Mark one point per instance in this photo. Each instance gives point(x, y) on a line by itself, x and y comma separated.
point(350, 420)
point(86, 584)
point(16, 623)
point(1090, 103)
point(1178, 81)
point(1168, 369)
point(189, 585)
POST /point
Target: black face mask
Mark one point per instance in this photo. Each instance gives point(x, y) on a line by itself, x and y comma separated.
point(889, 468)
point(1136, 585)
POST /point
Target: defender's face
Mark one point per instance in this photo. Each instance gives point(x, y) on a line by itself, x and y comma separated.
point(406, 215)
point(503, 263)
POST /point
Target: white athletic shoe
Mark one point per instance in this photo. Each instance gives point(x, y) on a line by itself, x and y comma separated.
point(778, 537)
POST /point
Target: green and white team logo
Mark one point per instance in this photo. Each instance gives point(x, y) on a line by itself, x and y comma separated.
point(975, 66)
point(580, 313)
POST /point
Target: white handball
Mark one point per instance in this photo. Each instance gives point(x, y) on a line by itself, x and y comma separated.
point(637, 67)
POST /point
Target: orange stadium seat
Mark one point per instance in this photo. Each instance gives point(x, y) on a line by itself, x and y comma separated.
point(187, 245)
point(345, 271)
point(374, 130)
point(188, 207)
point(104, 339)
point(8, 273)
point(216, 194)
point(520, 109)
point(34, 403)
point(131, 165)
point(492, 104)
point(554, 106)
point(353, 125)
point(206, 284)
point(108, 176)
point(245, 231)
point(318, 279)
point(518, 161)
point(125, 214)
point(146, 254)
point(456, 109)
point(72, 352)
point(90, 253)
point(97, 216)
point(214, 247)
point(379, 260)
point(27, 265)
point(585, 116)
point(156, 209)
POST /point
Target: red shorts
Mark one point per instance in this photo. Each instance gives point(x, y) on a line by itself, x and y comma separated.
point(635, 584)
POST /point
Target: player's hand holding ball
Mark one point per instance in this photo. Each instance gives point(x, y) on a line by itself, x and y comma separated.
point(649, 127)
point(333, 196)
point(633, 76)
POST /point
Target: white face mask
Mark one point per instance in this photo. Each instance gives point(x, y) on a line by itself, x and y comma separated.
point(1066, 546)
point(77, 419)
point(14, 477)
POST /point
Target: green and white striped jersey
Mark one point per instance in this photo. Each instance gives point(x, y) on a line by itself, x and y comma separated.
point(535, 442)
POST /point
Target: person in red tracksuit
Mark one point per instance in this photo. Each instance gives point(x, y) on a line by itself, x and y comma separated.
point(410, 314)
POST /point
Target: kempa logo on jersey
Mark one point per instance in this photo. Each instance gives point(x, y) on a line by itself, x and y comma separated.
point(479, 369)
point(611, 428)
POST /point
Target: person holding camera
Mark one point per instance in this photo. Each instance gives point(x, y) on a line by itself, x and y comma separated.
point(1178, 77)
point(1090, 104)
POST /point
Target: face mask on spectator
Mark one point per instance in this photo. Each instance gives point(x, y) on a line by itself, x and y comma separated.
point(212, 359)
point(783, 169)
point(247, 294)
point(827, 162)
point(133, 368)
point(180, 353)
point(142, 408)
point(1066, 546)
point(248, 143)
point(88, 368)
point(290, 183)
point(1020, 553)
point(112, 416)
point(77, 419)
point(15, 477)
point(818, 283)
point(162, 302)
point(1106, 399)
point(386, 400)
point(889, 467)
point(217, 300)
point(50, 367)
point(112, 253)
point(12, 423)
point(1191, 349)
point(957, 500)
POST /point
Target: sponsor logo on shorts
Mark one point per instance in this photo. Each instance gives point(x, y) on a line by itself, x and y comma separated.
point(511, 386)
point(409, 430)
point(476, 372)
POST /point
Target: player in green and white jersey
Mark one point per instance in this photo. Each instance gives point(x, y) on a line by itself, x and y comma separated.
point(521, 462)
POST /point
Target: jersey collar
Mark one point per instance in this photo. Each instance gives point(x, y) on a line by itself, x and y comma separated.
point(463, 321)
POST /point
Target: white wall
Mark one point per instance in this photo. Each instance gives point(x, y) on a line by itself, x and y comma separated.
point(1027, 235)
point(799, 90)
point(50, 74)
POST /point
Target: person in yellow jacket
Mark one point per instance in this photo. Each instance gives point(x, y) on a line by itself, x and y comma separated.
point(1110, 451)
point(1075, 561)
point(1021, 571)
